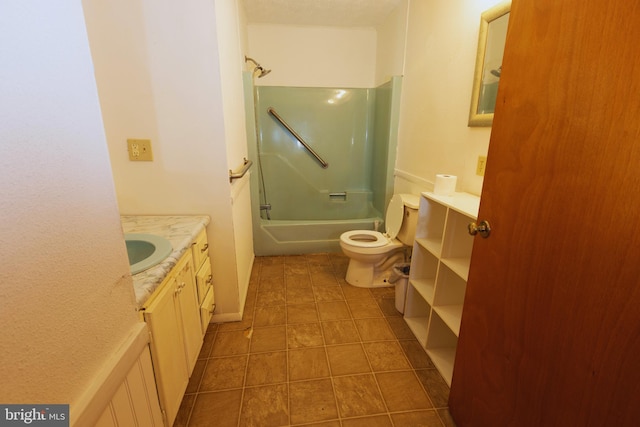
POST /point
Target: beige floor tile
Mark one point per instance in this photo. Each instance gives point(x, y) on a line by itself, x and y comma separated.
point(318, 348)
point(265, 406)
point(358, 395)
point(196, 376)
point(322, 279)
point(435, 385)
point(388, 307)
point(223, 405)
point(182, 418)
point(267, 368)
point(207, 344)
point(271, 283)
point(321, 259)
point(417, 418)
point(308, 363)
point(230, 343)
point(402, 391)
point(351, 292)
point(333, 310)
point(245, 323)
point(302, 313)
point(295, 259)
point(363, 308)
point(275, 269)
point(374, 329)
point(268, 298)
point(272, 338)
point(304, 335)
point(312, 401)
point(386, 292)
point(296, 280)
point(348, 359)
point(399, 328)
point(224, 373)
point(299, 295)
point(326, 292)
point(375, 421)
point(340, 332)
point(269, 316)
point(386, 356)
point(416, 354)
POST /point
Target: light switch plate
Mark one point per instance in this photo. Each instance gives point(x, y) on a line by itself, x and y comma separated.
point(140, 150)
point(482, 164)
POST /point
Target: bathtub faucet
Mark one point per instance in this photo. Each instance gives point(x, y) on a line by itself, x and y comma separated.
point(267, 208)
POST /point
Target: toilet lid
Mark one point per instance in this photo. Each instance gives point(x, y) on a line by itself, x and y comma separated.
point(395, 213)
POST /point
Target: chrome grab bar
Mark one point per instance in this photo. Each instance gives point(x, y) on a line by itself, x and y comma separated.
point(237, 175)
point(271, 111)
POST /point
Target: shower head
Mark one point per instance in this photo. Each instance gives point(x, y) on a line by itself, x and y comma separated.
point(261, 71)
point(497, 72)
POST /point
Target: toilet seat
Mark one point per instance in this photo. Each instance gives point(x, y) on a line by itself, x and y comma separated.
point(364, 238)
point(369, 239)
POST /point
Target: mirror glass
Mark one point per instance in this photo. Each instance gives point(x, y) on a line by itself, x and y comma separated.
point(493, 34)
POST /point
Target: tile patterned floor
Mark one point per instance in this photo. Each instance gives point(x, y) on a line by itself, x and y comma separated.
point(314, 350)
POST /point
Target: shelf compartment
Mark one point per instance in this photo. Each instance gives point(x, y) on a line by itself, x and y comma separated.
point(416, 314)
point(423, 272)
point(441, 346)
point(425, 287)
point(432, 245)
point(449, 297)
point(456, 241)
point(460, 266)
point(431, 222)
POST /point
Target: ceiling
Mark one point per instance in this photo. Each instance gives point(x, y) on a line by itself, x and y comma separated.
point(332, 13)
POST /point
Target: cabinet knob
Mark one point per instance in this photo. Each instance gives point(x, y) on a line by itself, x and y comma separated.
point(483, 228)
point(205, 247)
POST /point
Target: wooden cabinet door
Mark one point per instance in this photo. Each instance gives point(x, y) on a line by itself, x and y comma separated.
point(167, 349)
point(550, 332)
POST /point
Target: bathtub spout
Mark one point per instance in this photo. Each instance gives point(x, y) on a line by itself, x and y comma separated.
point(267, 209)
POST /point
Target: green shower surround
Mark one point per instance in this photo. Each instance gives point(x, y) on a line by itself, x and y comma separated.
point(348, 128)
point(354, 130)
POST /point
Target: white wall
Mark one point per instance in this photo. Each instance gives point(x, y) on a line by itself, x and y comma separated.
point(391, 38)
point(440, 58)
point(314, 56)
point(160, 68)
point(66, 296)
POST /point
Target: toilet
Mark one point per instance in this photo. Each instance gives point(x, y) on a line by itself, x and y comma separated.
point(372, 254)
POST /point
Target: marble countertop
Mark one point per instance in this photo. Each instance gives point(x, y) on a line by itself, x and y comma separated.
point(181, 231)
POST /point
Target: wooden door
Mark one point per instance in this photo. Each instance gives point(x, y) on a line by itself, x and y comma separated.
point(550, 332)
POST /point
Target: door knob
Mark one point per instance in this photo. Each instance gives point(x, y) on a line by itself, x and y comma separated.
point(483, 228)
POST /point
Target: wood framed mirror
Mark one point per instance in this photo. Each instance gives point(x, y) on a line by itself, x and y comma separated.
point(491, 40)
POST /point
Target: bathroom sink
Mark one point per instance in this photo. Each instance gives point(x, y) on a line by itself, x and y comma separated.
point(146, 250)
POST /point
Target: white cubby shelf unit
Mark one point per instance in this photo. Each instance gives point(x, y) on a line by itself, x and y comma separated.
point(439, 272)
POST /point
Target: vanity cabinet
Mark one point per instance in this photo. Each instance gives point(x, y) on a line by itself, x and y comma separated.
point(173, 317)
point(438, 275)
point(204, 279)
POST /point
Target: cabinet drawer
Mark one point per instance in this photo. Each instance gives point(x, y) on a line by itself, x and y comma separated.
point(204, 280)
point(200, 249)
point(206, 309)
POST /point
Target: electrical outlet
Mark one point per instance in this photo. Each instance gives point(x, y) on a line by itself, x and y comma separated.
point(140, 150)
point(482, 164)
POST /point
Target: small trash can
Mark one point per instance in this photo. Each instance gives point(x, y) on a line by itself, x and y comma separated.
point(400, 277)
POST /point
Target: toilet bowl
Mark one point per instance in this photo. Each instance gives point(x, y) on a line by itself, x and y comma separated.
point(372, 254)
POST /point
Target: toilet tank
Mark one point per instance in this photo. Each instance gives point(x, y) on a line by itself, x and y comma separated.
point(407, 231)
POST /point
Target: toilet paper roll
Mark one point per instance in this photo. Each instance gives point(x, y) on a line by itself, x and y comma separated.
point(445, 185)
